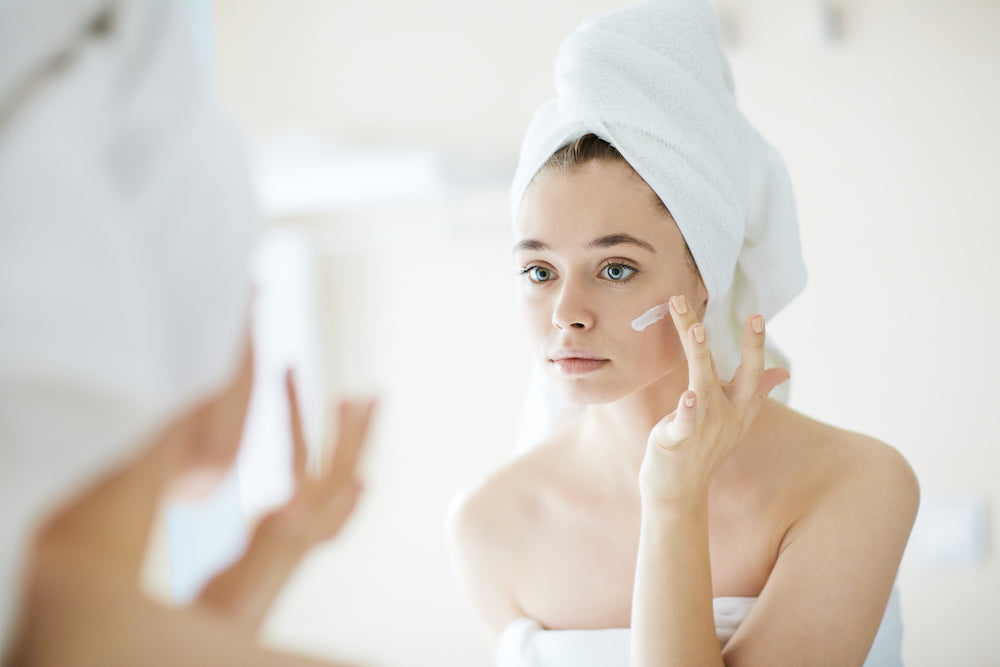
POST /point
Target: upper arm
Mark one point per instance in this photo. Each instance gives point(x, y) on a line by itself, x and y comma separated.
point(825, 597)
point(480, 545)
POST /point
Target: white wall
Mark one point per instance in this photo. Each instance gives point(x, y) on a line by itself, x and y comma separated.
point(890, 138)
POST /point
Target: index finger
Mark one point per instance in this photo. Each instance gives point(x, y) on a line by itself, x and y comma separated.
point(354, 420)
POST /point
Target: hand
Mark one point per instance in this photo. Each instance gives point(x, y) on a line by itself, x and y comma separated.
point(316, 512)
point(686, 447)
point(322, 502)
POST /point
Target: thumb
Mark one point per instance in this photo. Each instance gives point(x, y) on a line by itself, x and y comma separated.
point(678, 426)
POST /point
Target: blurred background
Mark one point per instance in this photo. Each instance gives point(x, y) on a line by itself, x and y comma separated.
point(384, 134)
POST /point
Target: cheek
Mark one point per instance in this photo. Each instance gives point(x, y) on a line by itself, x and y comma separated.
point(535, 312)
point(659, 341)
point(657, 346)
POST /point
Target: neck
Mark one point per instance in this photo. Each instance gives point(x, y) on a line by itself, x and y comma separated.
point(615, 434)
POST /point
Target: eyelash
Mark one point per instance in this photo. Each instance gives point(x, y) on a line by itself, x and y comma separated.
point(528, 269)
point(604, 267)
point(613, 262)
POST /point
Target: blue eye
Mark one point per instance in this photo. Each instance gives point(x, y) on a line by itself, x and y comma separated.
point(538, 274)
point(617, 272)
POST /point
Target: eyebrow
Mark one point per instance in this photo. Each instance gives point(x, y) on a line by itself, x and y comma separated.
point(530, 244)
point(606, 241)
point(620, 239)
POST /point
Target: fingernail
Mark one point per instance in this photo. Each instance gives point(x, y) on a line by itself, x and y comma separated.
point(680, 304)
point(699, 332)
point(758, 324)
point(689, 400)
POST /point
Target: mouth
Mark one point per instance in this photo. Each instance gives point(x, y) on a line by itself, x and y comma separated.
point(576, 362)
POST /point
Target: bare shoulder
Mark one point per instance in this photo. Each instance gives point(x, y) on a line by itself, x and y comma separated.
point(878, 470)
point(506, 501)
point(489, 522)
point(845, 464)
point(844, 490)
point(846, 505)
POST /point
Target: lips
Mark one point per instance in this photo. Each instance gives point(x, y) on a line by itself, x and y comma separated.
point(576, 362)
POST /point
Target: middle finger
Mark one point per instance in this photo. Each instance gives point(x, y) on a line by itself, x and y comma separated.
point(694, 337)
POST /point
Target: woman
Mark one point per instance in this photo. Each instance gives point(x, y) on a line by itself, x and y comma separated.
point(654, 231)
point(125, 369)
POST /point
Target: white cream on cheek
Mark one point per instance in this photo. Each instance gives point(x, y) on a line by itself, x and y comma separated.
point(654, 314)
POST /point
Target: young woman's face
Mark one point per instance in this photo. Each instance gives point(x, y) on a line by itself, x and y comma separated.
point(596, 250)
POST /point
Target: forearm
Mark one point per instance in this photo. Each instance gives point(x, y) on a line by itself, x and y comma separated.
point(245, 591)
point(672, 618)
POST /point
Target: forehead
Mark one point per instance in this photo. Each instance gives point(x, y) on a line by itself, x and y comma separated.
point(572, 207)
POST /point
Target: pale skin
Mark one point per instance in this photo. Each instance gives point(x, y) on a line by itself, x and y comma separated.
point(82, 603)
point(674, 486)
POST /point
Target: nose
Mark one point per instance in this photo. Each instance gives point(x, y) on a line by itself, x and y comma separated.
point(572, 309)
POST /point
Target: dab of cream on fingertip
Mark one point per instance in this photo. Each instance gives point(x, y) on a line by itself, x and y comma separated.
point(654, 314)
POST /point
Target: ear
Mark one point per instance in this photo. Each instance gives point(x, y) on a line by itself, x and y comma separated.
point(701, 298)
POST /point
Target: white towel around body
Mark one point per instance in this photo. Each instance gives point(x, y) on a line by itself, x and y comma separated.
point(524, 643)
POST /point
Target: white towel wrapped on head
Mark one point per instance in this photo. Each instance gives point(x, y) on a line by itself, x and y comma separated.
point(651, 79)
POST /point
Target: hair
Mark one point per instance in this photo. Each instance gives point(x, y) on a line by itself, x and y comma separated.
point(591, 148)
point(582, 150)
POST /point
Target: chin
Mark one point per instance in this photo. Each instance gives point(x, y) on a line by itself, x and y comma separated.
point(588, 391)
point(596, 390)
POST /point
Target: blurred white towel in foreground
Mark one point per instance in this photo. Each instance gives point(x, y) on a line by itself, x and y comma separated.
point(126, 224)
point(524, 643)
